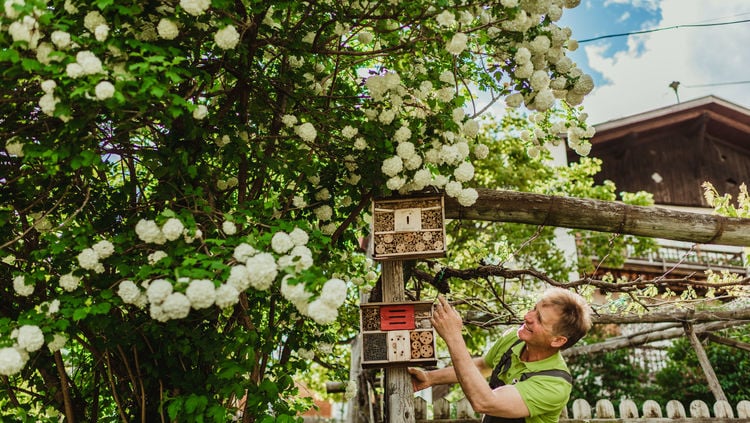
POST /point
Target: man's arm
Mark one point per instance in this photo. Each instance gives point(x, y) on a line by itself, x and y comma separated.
point(504, 401)
point(422, 379)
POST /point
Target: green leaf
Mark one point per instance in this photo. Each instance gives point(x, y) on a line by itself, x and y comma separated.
point(101, 308)
point(191, 404)
point(102, 4)
point(80, 313)
point(31, 65)
point(174, 408)
point(158, 91)
point(269, 387)
point(9, 55)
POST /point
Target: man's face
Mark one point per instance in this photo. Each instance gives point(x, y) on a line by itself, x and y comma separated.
point(538, 324)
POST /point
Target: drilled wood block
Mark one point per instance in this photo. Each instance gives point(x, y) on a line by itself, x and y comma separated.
point(399, 345)
point(405, 228)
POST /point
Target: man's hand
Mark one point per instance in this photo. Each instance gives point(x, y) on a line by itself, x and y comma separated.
point(419, 379)
point(446, 320)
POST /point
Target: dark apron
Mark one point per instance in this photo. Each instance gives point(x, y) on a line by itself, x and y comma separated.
point(502, 366)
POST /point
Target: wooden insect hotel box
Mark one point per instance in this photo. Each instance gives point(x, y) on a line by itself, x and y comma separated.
point(409, 227)
point(397, 334)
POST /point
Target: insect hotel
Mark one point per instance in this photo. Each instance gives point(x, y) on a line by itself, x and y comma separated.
point(397, 334)
point(400, 334)
point(406, 228)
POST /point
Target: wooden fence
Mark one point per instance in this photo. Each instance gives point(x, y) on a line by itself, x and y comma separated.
point(603, 411)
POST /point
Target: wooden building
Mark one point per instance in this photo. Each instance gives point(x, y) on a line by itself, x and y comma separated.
point(670, 152)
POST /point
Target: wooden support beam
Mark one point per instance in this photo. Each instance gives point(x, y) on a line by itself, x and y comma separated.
point(708, 370)
point(399, 393)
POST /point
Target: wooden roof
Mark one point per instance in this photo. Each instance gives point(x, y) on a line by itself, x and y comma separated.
point(671, 151)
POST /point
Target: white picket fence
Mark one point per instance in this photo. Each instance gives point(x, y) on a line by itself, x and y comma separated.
point(443, 411)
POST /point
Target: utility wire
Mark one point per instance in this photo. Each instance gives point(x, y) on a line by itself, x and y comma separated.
point(717, 84)
point(646, 31)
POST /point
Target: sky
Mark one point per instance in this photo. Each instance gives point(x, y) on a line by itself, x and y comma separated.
point(695, 44)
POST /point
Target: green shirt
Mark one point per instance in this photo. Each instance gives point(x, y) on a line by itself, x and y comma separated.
point(544, 396)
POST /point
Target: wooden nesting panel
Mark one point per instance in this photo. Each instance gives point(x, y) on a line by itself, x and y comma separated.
point(397, 334)
point(404, 228)
point(397, 316)
point(399, 345)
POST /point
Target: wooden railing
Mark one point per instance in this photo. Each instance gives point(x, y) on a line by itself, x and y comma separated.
point(444, 411)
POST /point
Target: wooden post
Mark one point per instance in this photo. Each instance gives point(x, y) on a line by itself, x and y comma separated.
point(399, 394)
point(354, 413)
point(713, 381)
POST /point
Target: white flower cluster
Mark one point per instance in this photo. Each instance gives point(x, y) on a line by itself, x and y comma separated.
point(407, 159)
point(380, 85)
point(25, 30)
point(149, 231)
point(195, 7)
point(255, 269)
point(259, 270)
point(28, 338)
point(167, 304)
point(578, 139)
point(200, 112)
point(86, 64)
point(227, 38)
point(89, 258)
point(104, 90)
point(69, 282)
point(457, 44)
point(324, 309)
point(97, 25)
point(20, 286)
point(12, 360)
point(48, 102)
point(229, 227)
point(14, 147)
point(306, 131)
point(167, 29)
point(413, 167)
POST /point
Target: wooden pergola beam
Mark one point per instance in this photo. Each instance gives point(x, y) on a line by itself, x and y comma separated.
point(728, 342)
point(602, 216)
point(636, 340)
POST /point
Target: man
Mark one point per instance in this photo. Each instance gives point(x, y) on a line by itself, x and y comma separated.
point(529, 379)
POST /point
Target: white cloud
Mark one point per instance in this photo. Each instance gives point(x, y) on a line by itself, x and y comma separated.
point(639, 4)
point(637, 79)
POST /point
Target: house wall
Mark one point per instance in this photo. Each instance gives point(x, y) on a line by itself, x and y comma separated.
point(673, 162)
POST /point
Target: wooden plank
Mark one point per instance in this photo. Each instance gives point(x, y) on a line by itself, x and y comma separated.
point(699, 409)
point(675, 410)
point(605, 409)
point(420, 409)
point(651, 409)
point(581, 409)
point(722, 409)
point(743, 409)
point(628, 409)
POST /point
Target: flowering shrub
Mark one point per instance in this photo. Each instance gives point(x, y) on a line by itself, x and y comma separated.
point(186, 183)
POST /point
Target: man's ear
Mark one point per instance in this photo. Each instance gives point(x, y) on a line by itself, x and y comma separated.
point(558, 341)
